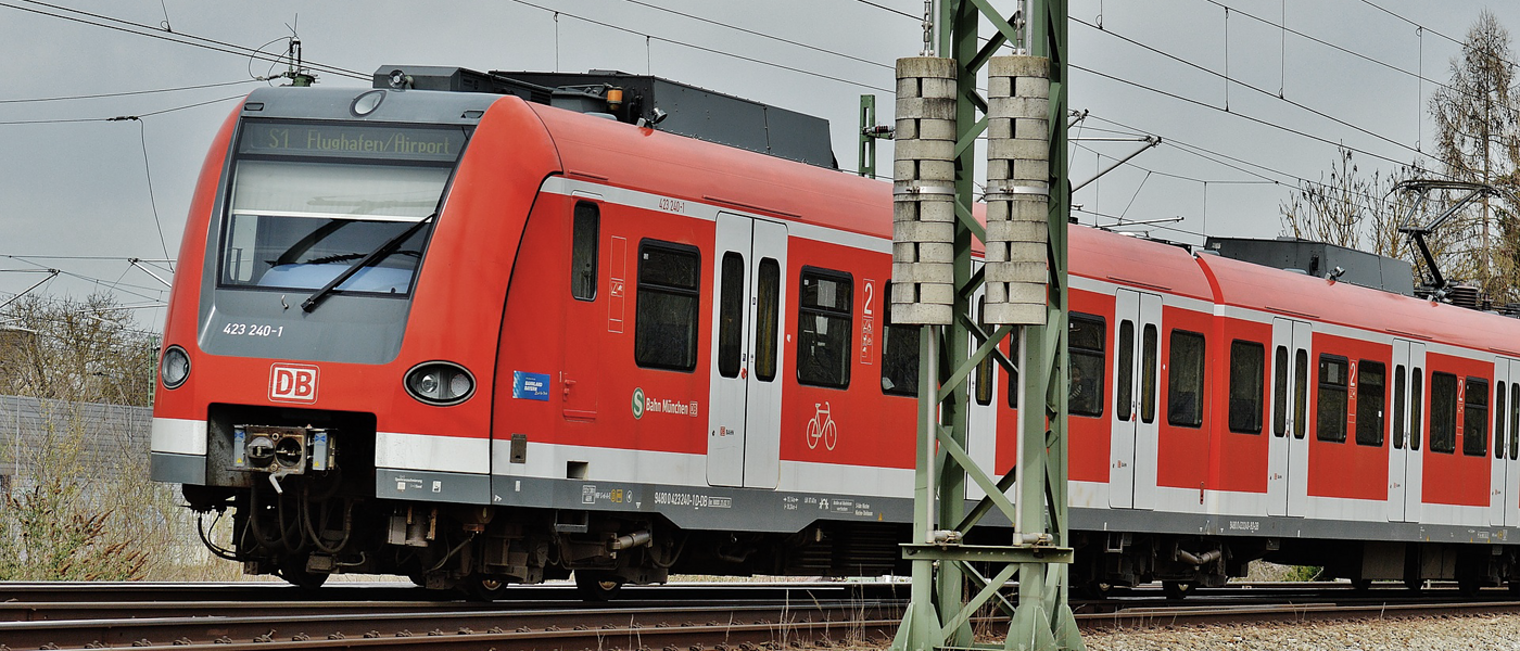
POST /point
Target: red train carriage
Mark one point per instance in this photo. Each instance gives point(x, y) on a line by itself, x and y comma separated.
point(479, 338)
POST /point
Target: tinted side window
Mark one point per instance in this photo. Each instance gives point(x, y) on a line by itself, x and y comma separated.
point(1475, 418)
point(1371, 380)
point(1247, 375)
point(1280, 391)
point(767, 318)
point(1124, 372)
point(583, 247)
point(1416, 407)
point(1013, 373)
point(983, 368)
point(899, 355)
point(1443, 413)
point(1184, 397)
point(1300, 393)
point(1499, 415)
point(1149, 356)
point(665, 332)
point(824, 327)
point(731, 314)
point(1330, 407)
point(1087, 337)
point(1400, 387)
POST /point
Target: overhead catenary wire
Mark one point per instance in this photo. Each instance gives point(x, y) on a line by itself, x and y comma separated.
point(140, 29)
point(127, 93)
point(118, 118)
point(702, 48)
point(760, 34)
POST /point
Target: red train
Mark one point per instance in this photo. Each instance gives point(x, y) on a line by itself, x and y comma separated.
point(478, 339)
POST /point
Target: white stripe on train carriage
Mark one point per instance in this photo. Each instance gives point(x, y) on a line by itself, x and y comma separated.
point(432, 452)
point(1109, 288)
point(552, 461)
point(709, 212)
point(179, 436)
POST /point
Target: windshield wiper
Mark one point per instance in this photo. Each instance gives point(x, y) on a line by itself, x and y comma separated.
point(372, 257)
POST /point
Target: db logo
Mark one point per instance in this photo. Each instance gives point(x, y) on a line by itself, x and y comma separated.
point(292, 383)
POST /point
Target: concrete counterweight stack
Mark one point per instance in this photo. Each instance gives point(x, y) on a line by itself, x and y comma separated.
point(1018, 189)
point(923, 225)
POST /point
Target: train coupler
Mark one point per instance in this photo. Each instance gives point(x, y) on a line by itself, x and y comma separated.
point(282, 451)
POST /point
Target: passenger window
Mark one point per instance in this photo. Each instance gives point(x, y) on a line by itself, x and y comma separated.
point(1247, 375)
point(1416, 407)
point(1280, 392)
point(983, 368)
point(824, 328)
point(1124, 372)
point(1514, 421)
point(1499, 416)
point(1087, 337)
point(1300, 393)
point(583, 246)
point(731, 314)
point(1330, 410)
point(1399, 385)
point(1443, 413)
point(1013, 372)
point(1371, 395)
point(1475, 418)
point(1184, 398)
point(899, 355)
point(767, 318)
point(665, 333)
point(1149, 356)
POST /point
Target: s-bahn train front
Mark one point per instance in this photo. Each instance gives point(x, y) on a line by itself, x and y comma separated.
point(333, 325)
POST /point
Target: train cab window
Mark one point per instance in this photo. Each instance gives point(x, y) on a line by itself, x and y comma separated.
point(983, 393)
point(583, 245)
point(1443, 413)
point(731, 290)
point(665, 330)
point(1086, 337)
point(1499, 416)
point(899, 355)
point(1247, 375)
point(1514, 421)
point(1013, 372)
point(767, 317)
point(824, 328)
point(1330, 407)
point(1150, 344)
point(1184, 398)
point(1399, 385)
point(1371, 395)
point(1416, 407)
point(1124, 372)
point(1300, 393)
point(1475, 418)
point(1280, 392)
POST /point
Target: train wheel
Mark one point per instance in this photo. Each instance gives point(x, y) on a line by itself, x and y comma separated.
point(1415, 585)
point(1468, 586)
point(293, 570)
point(484, 587)
point(1176, 589)
point(597, 586)
point(1514, 585)
point(1361, 585)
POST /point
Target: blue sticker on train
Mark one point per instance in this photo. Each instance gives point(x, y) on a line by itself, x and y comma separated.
point(530, 386)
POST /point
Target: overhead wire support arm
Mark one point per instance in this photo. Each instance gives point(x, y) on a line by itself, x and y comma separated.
point(51, 274)
point(1150, 141)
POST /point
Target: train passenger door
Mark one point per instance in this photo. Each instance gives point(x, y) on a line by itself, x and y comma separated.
point(1288, 452)
point(982, 389)
point(744, 409)
point(1404, 467)
point(1503, 505)
point(586, 323)
point(1134, 426)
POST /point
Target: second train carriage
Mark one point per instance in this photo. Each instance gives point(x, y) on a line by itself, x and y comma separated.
point(478, 339)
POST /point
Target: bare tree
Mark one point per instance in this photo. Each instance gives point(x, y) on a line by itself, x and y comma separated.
point(1478, 140)
point(1353, 209)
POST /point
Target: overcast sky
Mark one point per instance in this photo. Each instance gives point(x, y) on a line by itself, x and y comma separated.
point(80, 188)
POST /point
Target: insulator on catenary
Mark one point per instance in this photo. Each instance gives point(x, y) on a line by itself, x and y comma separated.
point(1018, 189)
point(923, 206)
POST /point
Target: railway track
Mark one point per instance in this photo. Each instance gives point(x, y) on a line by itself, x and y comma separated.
point(747, 617)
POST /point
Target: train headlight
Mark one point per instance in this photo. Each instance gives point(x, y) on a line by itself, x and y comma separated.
point(174, 368)
point(440, 383)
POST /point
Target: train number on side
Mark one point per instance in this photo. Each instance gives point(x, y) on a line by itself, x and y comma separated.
point(253, 330)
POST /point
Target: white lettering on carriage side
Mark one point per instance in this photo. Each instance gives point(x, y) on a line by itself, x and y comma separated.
point(693, 500)
point(1245, 525)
